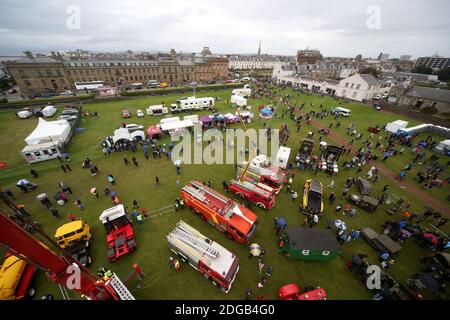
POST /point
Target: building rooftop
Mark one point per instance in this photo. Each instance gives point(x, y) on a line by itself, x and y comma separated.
point(429, 93)
point(370, 79)
point(314, 239)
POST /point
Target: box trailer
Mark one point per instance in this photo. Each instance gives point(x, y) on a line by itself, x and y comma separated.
point(282, 158)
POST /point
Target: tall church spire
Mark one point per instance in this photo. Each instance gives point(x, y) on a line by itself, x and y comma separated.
point(259, 48)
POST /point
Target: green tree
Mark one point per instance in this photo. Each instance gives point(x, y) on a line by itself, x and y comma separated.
point(371, 71)
point(444, 74)
point(422, 70)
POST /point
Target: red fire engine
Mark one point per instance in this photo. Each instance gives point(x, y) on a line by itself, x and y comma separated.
point(261, 195)
point(216, 263)
point(120, 234)
point(236, 221)
point(256, 174)
point(60, 267)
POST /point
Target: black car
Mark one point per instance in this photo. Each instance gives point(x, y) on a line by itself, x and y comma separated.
point(37, 112)
point(211, 82)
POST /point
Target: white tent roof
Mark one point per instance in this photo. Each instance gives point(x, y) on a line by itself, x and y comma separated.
point(394, 126)
point(47, 131)
point(176, 125)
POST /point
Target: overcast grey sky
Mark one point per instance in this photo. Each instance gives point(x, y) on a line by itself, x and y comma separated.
point(336, 27)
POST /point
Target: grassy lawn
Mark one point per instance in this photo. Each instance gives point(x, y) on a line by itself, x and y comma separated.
point(139, 183)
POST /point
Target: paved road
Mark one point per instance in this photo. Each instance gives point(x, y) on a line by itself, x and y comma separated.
point(427, 199)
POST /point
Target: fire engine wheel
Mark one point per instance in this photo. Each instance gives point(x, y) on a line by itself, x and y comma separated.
point(259, 204)
point(214, 283)
point(182, 258)
point(240, 195)
point(229, 235)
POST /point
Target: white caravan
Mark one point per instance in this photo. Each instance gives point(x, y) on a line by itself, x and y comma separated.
point(192, 103)
point(157, 110)
point(243, 92)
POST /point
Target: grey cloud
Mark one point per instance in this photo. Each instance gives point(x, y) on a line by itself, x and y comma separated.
point(336, 27)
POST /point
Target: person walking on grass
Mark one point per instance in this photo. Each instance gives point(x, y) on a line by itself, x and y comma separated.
point(157, 180)
point(260, 265)
point(94, 192)
point(33, 173)
point(79, 203)
point(125, 160)
point(65, 188)
point(54, 213)
point(111, 179)
point(63, 168)
point(68, 167)
point(135, 162)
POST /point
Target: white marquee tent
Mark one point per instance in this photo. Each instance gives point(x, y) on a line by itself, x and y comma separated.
point(49, 131)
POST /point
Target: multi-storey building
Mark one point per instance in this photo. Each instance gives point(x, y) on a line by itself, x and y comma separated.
point(433, 62)
point(308, 56)
point(248, 62)
point(37, 74)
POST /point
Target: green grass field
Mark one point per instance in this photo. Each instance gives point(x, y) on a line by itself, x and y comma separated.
point(139, 183)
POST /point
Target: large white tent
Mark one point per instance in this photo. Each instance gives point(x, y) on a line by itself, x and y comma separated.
point(49, 131)
point(393, 127)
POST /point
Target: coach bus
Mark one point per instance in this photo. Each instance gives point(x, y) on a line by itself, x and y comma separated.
point(89, 85)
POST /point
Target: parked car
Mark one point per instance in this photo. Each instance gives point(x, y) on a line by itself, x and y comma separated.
point(24, 114)
point(364, 186)
point(69, 111)
point(34, 96)
point(376, 106)
point(229, 81)
point(140, 113)
point(67, 117)
point(211, 82)
point(245, 79)
point(193, 83)
point(126, 114)
point(366, 202)
point(37, 112)
point(48, 94)
point(68, 93)
point(133, 127)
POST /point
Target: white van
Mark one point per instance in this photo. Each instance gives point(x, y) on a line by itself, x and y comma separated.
point(342, 111)
point(245, 79)
point(153, 84)
point(136, 85)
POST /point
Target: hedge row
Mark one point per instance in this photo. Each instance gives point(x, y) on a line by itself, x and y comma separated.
point(181, 89)
point(53, 100)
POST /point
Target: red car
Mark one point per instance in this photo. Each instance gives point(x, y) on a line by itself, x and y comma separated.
point(126, 114)
point(292, 292)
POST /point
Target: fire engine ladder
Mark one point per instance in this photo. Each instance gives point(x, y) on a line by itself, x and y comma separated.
point(202, 188)
point(192, 237)
point(245, 185)
point(120, 288)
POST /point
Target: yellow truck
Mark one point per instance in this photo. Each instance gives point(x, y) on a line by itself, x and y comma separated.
point(72, 232)
point(75, 238)
point(16, 276)
point(312, 197)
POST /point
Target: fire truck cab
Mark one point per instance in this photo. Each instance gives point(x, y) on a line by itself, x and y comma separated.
point(216, 263)
point(261, 175)
point(235, 220)
point(120, 234)
point(261, 195)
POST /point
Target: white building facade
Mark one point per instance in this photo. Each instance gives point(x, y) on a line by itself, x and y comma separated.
point(358, 87)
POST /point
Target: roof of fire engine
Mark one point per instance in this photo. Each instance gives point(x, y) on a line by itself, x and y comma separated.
point(112, 213)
